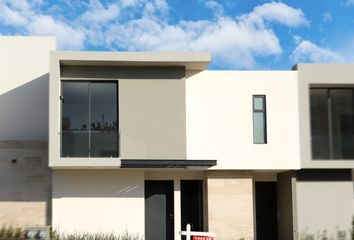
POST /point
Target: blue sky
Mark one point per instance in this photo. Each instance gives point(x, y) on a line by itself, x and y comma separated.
point(240, 34)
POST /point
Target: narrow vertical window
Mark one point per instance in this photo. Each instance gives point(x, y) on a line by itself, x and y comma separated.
point(259, 119)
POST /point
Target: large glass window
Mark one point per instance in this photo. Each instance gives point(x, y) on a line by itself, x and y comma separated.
point(259, 119)
point(332, 123)
point(89, 119)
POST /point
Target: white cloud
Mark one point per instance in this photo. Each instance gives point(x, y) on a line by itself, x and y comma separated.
point(327, 17)
point(307, 51)
point(216, 7)
point(100, 14)
point(349, 3)
point(12, 17)
point(21, 14)
point(234, 42)
point(22, 5)
point(142, 25)
point(128, 3)
point(68, 38)
point(281, 13)
point(161, 5)
point(297, 39)
point(154, 8)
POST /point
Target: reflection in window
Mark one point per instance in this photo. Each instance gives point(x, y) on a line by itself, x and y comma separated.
point(89, 119)
point(332, 123)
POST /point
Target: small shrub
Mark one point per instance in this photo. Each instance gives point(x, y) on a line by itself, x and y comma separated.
point(54, 235)
point(323, 235)
point(18, 233)
point(2, 231)
point(341, 234)
point(353, 228)
point(10, 232)
point(306, 236)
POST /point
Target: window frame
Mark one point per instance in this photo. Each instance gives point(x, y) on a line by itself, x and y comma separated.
point(61, 99)
point(264, 112)
point(329, 105)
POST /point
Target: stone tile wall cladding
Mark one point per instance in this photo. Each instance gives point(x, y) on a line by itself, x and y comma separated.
point(230, 204)
point(25, 183)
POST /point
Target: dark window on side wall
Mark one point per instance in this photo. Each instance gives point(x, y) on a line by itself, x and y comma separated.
point(332, 123)
point(89, 119)
point(259, 119)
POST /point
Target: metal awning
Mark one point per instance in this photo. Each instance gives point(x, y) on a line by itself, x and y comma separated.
point(135, 163)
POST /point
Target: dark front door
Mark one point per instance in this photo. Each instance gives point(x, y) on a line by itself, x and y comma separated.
point(266, 211)
point(159, 222)
point(192, 204)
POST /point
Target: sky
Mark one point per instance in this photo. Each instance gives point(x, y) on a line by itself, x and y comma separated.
point(240, 34)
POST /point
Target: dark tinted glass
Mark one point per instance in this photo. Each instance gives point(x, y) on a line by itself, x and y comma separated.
point(75, 119)
point(342, 123)
point(319, 123)
point(104, 124)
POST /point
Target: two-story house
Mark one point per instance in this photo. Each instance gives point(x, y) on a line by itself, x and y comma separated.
point(150, 141)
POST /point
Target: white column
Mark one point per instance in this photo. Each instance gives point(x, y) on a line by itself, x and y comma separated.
point(177, 208)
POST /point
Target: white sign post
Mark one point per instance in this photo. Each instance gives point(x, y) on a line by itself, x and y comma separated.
point(188, 233)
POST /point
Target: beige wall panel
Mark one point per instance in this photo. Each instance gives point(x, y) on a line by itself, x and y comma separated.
point(230, 204)
point(23, 213)
point(324, 206)
point(98, 201)
point(152, 119)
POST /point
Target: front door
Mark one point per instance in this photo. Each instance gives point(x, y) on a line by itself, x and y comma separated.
point(159, 222)
point(266, 211)
point(192, 204)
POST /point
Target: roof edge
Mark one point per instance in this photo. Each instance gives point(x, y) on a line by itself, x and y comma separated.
point(191, 60)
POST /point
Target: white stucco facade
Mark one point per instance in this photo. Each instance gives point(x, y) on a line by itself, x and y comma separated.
point(109, 201)
point(98, 201)
point(24, 80)
point(220, 119)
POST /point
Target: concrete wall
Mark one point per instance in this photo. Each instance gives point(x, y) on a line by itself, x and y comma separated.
point(220, 119)
point(320, 75)
point(324, 202)
point(230, 204)
point(25, 187)
point(25, 183)
point(24, 72)
point(98, 201)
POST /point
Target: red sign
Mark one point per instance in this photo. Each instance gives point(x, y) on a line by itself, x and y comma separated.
point(202, 238)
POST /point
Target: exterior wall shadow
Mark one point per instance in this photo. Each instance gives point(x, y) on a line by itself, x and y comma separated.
point(24, 111)
point(25, 178)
